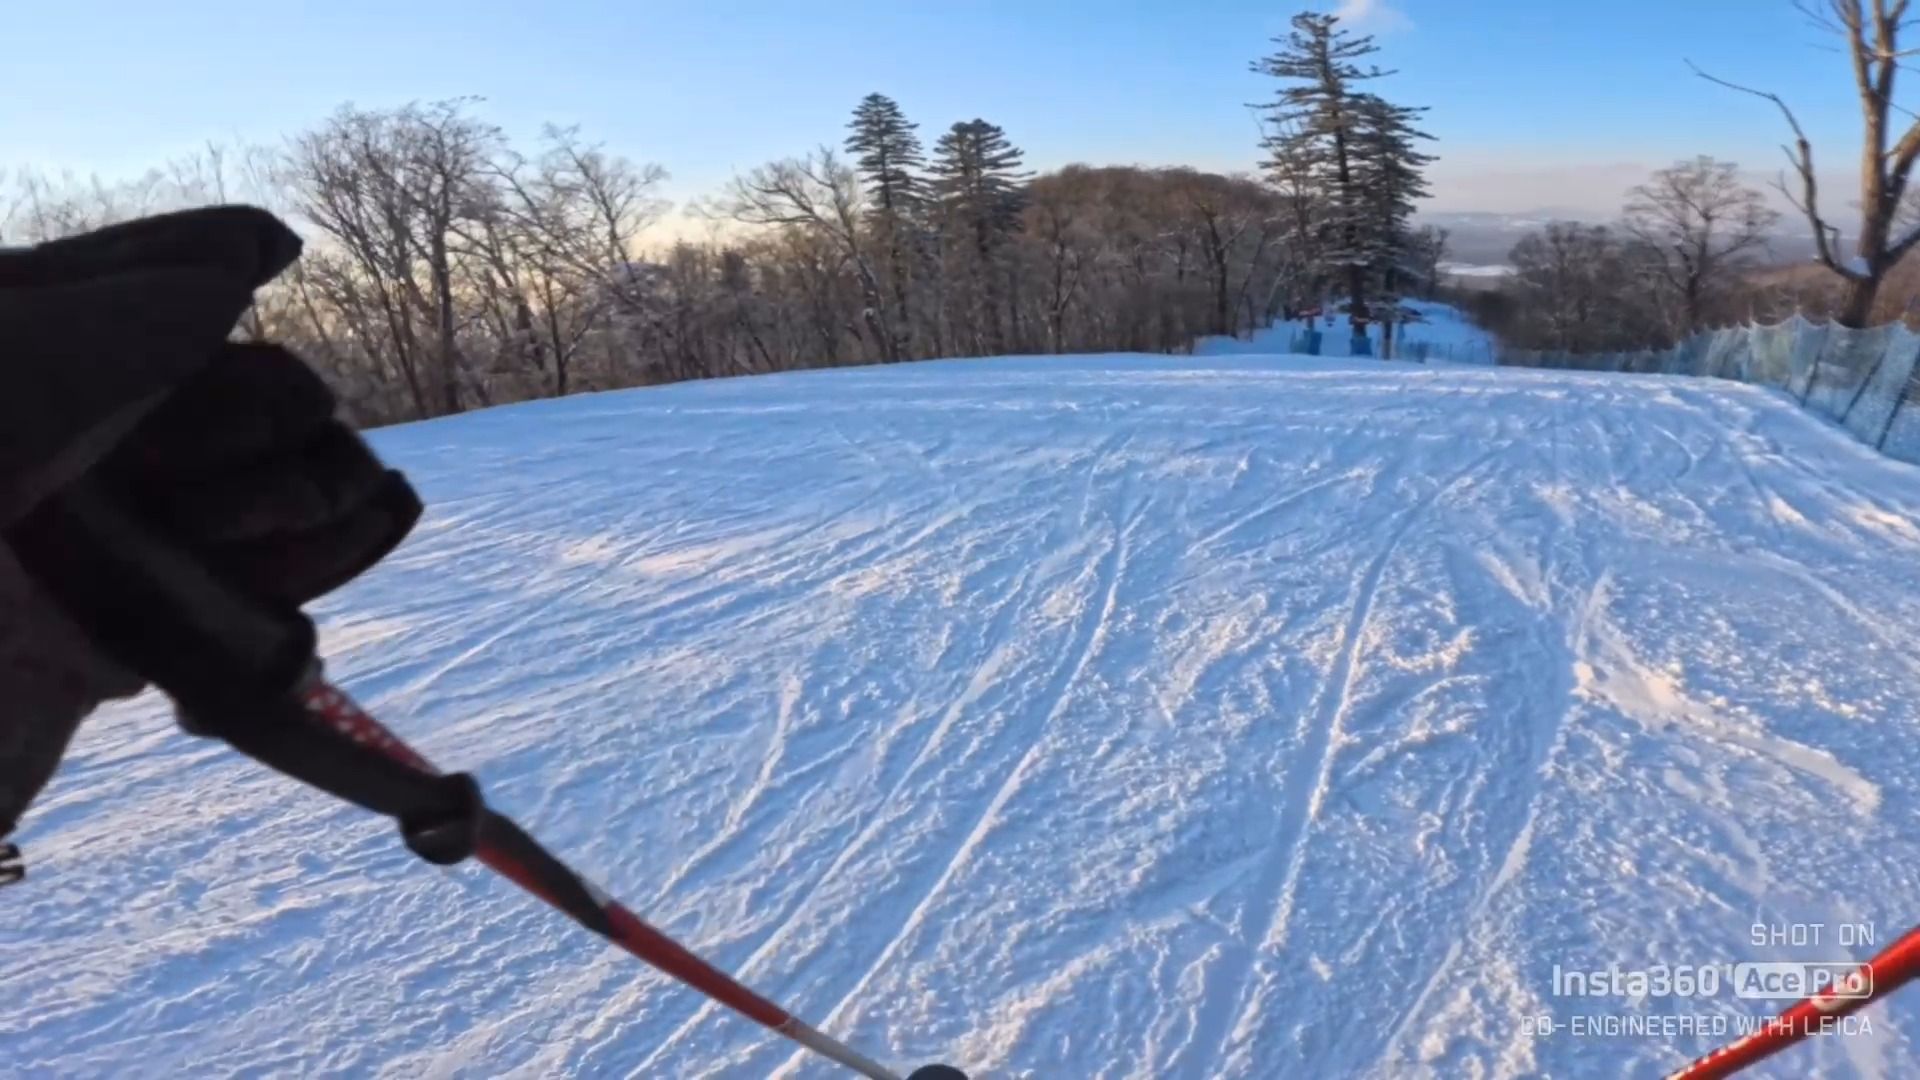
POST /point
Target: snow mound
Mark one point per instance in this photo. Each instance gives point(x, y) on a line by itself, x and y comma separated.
point(1108, 716)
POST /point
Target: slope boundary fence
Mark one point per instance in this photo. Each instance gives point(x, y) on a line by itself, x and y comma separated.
point(1867, 381)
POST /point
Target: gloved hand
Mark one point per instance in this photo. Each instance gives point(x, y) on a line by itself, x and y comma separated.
point(115, 368)
point(96, 329)
point(244, 467)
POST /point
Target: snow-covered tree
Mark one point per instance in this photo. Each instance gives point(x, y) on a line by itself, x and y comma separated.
point(1312, 127)
point(1389, 181)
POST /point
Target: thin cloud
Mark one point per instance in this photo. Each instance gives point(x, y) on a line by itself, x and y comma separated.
point(1372, 15)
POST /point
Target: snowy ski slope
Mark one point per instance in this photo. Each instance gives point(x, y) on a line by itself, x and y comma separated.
point(1087, 717)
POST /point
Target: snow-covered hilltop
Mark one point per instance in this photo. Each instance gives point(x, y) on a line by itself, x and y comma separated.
point(1111, 716)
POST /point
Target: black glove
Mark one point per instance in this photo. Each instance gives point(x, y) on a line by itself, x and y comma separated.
point(116, 357)
point(244, 467)
point(115, 371)
point(96, 330)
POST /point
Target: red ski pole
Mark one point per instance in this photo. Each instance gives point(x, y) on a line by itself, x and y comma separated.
point(1894, 967)
point(517, 857)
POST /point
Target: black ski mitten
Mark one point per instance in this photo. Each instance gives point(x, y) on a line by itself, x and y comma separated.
point(115, 369)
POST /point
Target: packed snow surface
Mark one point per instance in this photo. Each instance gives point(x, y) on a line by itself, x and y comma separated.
point(1089, 717)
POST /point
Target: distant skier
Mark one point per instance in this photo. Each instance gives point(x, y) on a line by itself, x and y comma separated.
point(116, 371)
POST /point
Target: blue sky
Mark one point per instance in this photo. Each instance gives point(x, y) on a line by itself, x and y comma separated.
point(1536, 103)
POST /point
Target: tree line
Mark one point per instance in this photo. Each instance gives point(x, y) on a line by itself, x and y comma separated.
point(958, 251)
point(1679, 259)
point(449, 268)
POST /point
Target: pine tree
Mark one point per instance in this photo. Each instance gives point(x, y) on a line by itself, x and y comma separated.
point(1313, 125)
point(980, 191)
point(887, 152)
point(1306, 232)
point(1387, 171)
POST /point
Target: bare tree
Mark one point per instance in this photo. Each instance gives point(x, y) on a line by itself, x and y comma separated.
point(1705, 226)
point(1306, 234)
point(1233, 220)
point(446, 270)
point(1579, 288)
point(390, 190)
point(1871, 30)
point(552, 243)
point(819, 194)
point(43, 207)
point(1426, 250)
point(1054, 219)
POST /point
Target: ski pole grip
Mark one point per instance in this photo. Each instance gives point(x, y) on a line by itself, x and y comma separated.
point(218, 653)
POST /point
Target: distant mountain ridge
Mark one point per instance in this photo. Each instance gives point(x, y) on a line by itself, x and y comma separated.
point(1485, 238)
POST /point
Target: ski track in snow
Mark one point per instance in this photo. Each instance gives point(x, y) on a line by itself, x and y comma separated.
point(1224, 716)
